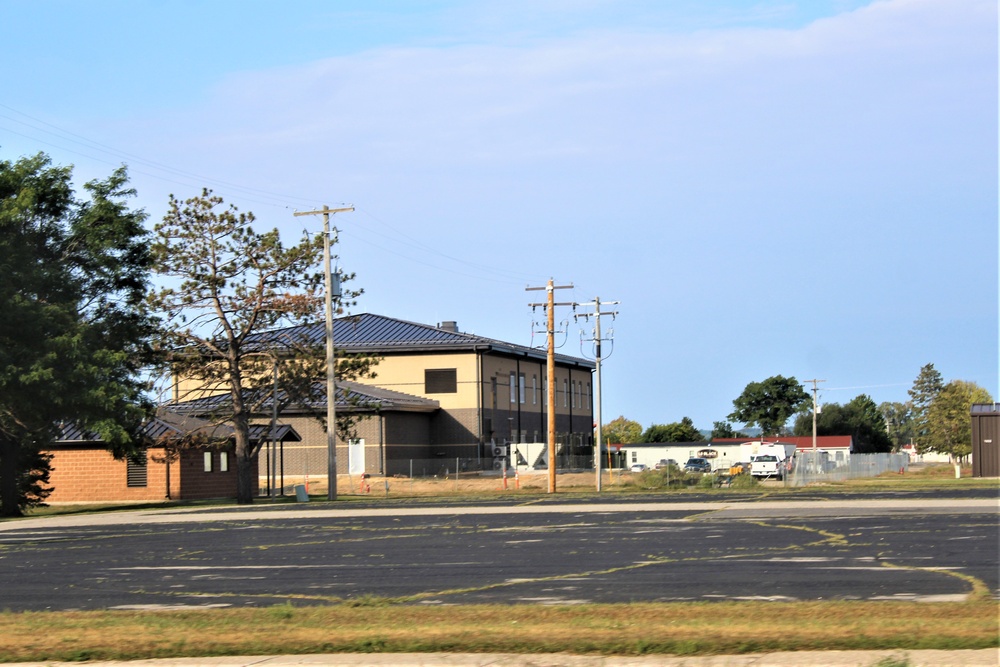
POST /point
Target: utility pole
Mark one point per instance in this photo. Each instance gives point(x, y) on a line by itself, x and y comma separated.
point(331, 381)
point(596, 303)
point(815, 409)
point(549, 306)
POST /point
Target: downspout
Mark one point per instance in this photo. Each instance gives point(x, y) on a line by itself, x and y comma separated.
point(520, 396)
point(480, 388)
point(541, 398)
point(569, 403)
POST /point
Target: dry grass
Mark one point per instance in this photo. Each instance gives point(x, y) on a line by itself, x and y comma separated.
point(376, 625)
point(474, 485)
point(680, 628)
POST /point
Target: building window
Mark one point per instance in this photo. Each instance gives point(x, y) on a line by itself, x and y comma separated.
point(513, 388)
point(534, 390)
point(520, 387)
point(135, 471)
point(440, 381)
point(565, 393)
point(223, 461)
point(493, 394)
point(208, 461)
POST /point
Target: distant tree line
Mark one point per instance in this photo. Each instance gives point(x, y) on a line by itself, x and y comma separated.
point(935, 419)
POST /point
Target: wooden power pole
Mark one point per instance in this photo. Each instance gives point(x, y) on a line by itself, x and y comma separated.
point(331, 382)
point(549, 306)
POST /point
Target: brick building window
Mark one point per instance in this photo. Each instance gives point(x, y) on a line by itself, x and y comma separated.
point(208, 461)
point(223, 461)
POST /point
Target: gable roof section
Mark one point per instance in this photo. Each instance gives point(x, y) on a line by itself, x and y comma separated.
point(376, 334)
point(803, 442)
point(170, 425)
point(351, 397)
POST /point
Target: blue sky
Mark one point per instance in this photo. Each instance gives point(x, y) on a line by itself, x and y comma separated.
point(791, 187)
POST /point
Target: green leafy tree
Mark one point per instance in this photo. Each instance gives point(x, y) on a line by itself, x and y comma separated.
point(74, 337)
point(898, 418)
point(949, 423)
point(722, 430)
point(621, 431)
point(769, 404)
point(867, 426)
point(860, 419)
point(682, 431)
point(923, 392)
point(231, 284)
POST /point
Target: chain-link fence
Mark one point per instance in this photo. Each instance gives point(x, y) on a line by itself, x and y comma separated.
point(445, 467)
point(810, 467)
point(449, 475)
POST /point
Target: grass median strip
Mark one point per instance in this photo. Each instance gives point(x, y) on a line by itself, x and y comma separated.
point(627, 629)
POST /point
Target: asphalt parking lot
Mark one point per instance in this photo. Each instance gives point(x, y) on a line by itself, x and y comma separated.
point(546, 553)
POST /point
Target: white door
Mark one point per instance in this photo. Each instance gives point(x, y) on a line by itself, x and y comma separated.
point(356, 456)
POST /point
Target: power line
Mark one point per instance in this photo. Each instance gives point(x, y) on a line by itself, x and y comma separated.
point(188, 179)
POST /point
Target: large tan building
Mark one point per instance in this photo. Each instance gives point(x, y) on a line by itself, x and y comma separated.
point(440, 398)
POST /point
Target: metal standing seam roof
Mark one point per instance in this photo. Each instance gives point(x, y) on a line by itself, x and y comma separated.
point(168, 424)
point(351, 397)
point(372, 334)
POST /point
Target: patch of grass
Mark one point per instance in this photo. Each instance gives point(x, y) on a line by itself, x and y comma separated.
point(744, 482)
point(486, 488)
point(623, 629)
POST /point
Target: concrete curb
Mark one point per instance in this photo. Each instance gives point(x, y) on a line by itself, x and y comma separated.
point(900, 658)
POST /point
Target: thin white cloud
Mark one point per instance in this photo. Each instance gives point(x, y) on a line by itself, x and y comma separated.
point(604, 94)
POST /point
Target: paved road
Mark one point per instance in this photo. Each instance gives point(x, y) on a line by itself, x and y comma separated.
point(529, 554)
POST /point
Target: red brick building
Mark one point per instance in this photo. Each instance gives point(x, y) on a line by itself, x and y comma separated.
point(187, 459)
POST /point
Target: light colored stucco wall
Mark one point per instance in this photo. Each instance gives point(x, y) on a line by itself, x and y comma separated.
point(405, 373)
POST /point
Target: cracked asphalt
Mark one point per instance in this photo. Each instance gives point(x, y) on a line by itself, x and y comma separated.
point(542, 553)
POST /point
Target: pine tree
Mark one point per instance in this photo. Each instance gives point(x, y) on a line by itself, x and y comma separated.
point(925, 389)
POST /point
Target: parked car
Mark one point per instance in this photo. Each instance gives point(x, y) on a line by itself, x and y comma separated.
point(638, 467)
point(664, 463)
point(697, 465)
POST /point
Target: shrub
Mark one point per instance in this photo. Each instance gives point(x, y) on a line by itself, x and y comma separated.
point(708, 481)
point(744, 481)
